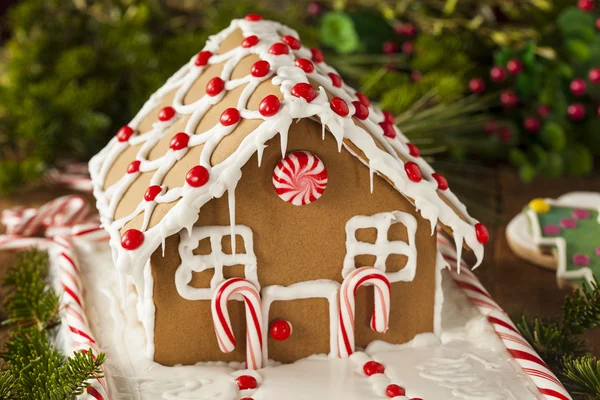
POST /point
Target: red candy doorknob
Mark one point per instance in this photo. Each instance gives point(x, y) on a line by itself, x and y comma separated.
point(280, 329)
point(246, 382)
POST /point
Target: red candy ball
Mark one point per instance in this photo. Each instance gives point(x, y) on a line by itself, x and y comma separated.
point(388, 130)
point(134, 167)
point(246, 382)
point(230, 116)
point(202, 58)
point(339, 106)
point(388, 117)
point(124, 133)
point(179, 141)
point(260, 68)
point(389, 47)
point(544, 110)
point(305, 64)
point(279, 49)
point(249, 41)
point(531, 124)
point(269, 106)
point(413, 150)
point(498, 74)
point(280, 329)
point(291, 41)
point(152, 192)
point(441, 181)
point(197, 176)
point(576, 111)
point(413, 171)
point(514, 66)
point(394, 390)
point(166, 114)
point(372, 368)
point(317, 55)
point(132, 239)
point(363, 99)
point(305, 91)
point(361, 111)
point(578, 87)
point(509, 99)
point(594, 75)
point(586, 5)
point(253, 17)
point(215, 86)
point(336, 80)
point(482, 233)
point(477, 85)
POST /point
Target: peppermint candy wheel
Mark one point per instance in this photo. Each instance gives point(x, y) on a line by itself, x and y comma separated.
point(300, 178)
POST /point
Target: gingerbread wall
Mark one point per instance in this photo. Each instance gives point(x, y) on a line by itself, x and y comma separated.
point(294, 244)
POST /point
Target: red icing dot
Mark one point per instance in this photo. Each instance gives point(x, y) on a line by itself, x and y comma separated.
point(280, 329)
point(413, 150)
point(133, 167)
point(388, 117)
point(304, 90)
point(305, 64)
point(279, 49)
point(215, 86)
point(482, 233)
point(441, 181)
point(124, 133)
point(253, 17)
point(291, 41)
point(260, 69)
point(372, 368)
point(388, 130)
point(197, 176)
point(363, 99)
point(336, 80)
point(132, 239)
point(394, 390)
point(269, 106)
point(246, 382)
point(152, 192)
point(166, 114)
point(317, 55)
point(202, 58)
point(230, 116)
point(339, 106)
point(413, 171)
point(361, 111)
point(179, 141)
point(249, 41)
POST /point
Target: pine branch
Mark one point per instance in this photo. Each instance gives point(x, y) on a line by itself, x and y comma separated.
point(581, 310)
point(7, 382)
point(582, 376)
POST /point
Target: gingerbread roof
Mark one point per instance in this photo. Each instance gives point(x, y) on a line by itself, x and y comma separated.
point(249, 84)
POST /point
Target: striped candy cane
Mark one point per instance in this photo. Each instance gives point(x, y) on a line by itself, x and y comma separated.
point(222, 323)
point(365, 276)
point(516, 345)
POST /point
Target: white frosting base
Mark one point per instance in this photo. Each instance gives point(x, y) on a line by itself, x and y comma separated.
point(468, 361)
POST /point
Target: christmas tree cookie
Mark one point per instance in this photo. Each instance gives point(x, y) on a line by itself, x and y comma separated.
point(562, 234)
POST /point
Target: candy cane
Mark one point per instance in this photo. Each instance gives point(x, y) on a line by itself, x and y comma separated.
point(381, 310)
point(223, 330)
point(516, 345)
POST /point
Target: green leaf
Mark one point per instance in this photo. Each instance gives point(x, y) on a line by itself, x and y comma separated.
point(339, 33)
point(527, 172)
point(503, 56)
point(553, 167)
point(578, 50)
point(553, 136)
point(517, 157)
point(573, 22)
point(579, 160)
point(526, 85)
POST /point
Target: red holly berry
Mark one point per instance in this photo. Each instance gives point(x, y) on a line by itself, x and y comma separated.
point(544, 110)
point(363, 99)
point(339, 106)
point(197, 176)
point(304, 90)
point(477, 85)
point(594, 75)
point(360, 110)
point(441, 181)
point(317, 55)
point(124, 133)
point(230, 116)
point(413, 171)
point(253, 17)
point(166, 114)
point(179, 141)
point(497, 74)
point(388, 117)
point(269, 106)
point(280, 329)
point(250, 41)
point(132, 239)
point(514, 66)
point(373, 367)
point(490, 127)
point(531, 124)
point(313, 8)
point(598, 24)
point(279, 49)
point(134, 167)
point(415, 76)
point(586, 5)
point(246, 382)
point(152, 192)
point(291, 41)
point(305, 64)
point(202, 58)
point(215, 86)
point(509, 99)
point(576, 111)
point(389, 47)
point(413, 150)
point(388, 130)
point(394, 390)
point(336, 80)
point(505, 134)
point(481, 233)
point(408, 47)
point(260, 68)
point(598, 110)
point(578, 87)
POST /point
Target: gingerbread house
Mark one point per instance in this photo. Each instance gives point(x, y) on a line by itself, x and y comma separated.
point(256, 175)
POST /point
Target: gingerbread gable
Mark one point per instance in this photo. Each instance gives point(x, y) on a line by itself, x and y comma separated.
point(189, 142)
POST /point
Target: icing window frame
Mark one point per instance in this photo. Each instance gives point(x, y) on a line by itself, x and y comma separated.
point(382, 248)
